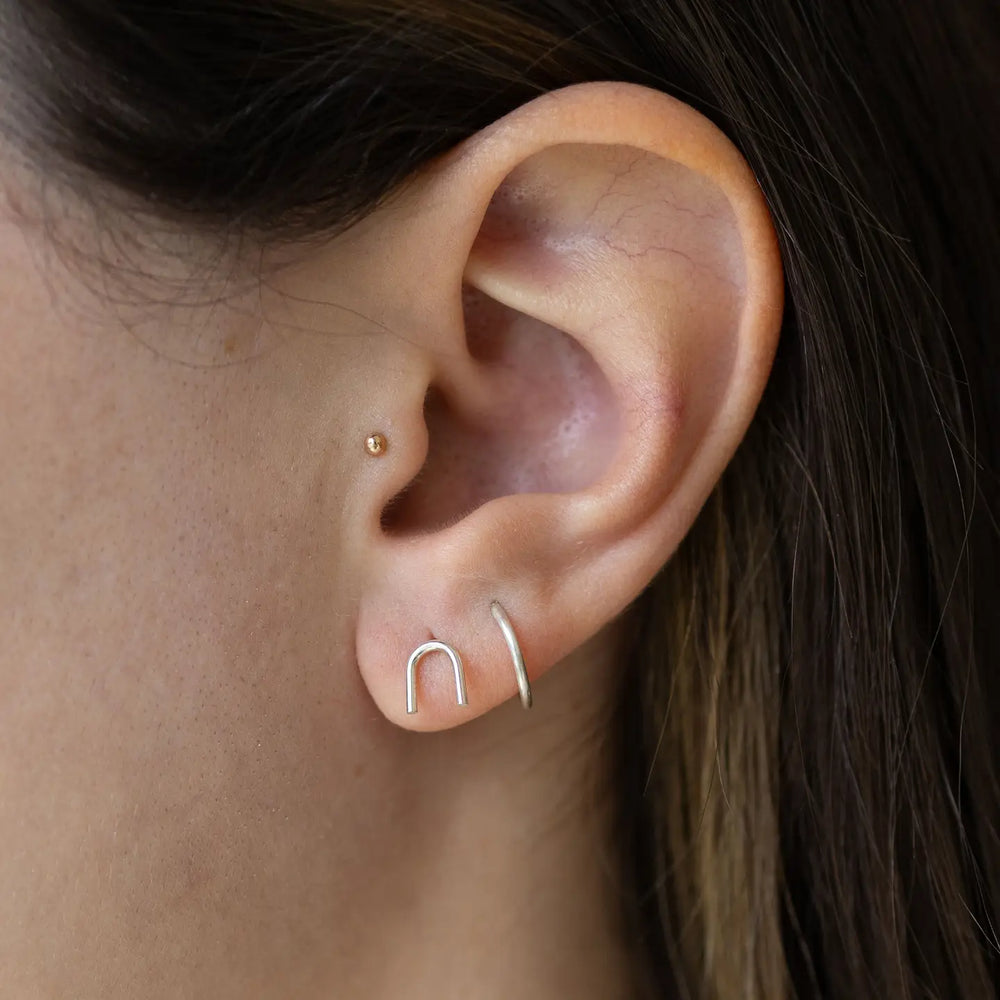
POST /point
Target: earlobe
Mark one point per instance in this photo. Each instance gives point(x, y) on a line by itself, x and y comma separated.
point(461, 696)
point(614, 293)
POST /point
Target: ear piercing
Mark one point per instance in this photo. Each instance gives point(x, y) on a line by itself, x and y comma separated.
point(377, 445)
point(411, 673)
point(523, 684)
point(435, 646)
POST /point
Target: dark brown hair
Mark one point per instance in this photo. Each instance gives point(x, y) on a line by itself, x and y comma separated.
point(809, 739)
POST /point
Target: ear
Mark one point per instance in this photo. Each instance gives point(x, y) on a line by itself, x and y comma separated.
point(593, 295)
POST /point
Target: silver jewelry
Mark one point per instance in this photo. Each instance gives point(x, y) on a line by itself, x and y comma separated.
point(411, 673)
point(523, 684)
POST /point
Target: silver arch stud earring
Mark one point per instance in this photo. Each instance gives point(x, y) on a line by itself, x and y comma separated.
point(523, 684)
point(411, 673)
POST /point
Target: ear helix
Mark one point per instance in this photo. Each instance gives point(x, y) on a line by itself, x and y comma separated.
point(436, 646)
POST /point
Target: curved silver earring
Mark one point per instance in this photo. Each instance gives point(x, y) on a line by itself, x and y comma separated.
point(523, 684)
point(411, 673)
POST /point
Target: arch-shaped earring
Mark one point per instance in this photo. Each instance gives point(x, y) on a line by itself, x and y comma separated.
point(411, 673)
point(523, 684)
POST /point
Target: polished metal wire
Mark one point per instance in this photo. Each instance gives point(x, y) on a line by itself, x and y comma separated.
point(411, 673)
point(523, 684)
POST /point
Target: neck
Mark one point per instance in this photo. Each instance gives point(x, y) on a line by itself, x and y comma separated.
point(505, 882)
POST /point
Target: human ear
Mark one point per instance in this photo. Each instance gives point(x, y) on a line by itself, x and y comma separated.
point(592, 294)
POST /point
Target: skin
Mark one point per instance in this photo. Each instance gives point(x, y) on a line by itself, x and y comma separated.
point(209, 785)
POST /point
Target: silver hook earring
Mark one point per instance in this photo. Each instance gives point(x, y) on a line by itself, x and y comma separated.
point(523, 684)
point(411, 673)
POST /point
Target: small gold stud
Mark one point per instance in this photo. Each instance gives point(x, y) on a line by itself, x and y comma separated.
point(376, 445)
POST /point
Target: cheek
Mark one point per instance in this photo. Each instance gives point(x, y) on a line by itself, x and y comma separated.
point(177, 686)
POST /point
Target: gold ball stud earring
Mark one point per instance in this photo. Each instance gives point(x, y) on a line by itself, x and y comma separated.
point(376, 445)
